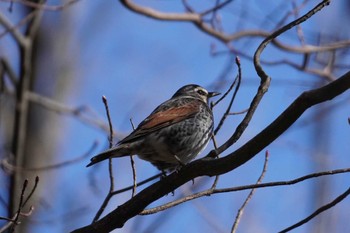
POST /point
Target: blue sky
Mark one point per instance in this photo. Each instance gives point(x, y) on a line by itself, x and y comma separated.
point(137, 63)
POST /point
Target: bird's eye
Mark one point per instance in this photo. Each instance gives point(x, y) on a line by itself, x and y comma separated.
point(201, 92)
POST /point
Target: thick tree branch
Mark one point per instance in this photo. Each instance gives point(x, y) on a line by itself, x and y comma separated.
point(207, 167)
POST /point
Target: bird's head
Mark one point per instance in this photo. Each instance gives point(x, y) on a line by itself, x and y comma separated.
point(196, 91)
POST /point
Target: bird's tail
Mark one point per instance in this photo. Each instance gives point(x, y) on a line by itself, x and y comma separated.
point(110, 153)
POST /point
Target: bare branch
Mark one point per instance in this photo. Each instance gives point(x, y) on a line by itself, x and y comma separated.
point(228, 109)
point(138, 184)
point(78, 112)
point(110, 165)
point(13, 222)
point(24, 187)
point(43, 6)
point(319, 211)
point(133, 168)
point(196, 19)
point(8, 69)
point(12, 168)
point(134, 178)
point(250, 195)
point(110, 138)
point(212, 167)
point(31, 192)
point(213, 190)
point(17, 35)
point(216, 7)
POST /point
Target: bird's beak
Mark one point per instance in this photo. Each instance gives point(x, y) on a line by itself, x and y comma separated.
point(212, 94)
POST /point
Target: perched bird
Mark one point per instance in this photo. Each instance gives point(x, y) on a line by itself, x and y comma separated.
point(173, 134)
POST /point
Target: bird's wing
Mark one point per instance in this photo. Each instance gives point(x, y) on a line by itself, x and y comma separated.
point(164, 116)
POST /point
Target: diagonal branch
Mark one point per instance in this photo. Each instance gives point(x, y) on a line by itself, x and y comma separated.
point(318, 211)
point(196, 19)
point(207, 167)
point(213, 190)
point(15, 33)
point(250, 195)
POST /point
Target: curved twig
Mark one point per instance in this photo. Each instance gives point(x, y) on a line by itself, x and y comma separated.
point(196, 18)
point(212, 167)
point(318, 211)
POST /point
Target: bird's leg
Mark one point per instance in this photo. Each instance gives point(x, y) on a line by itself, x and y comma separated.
point(163, 173)
point(181, 164)
point(164, 176)
point(179, 161)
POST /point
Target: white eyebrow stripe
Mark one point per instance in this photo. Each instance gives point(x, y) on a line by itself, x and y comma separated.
point(202, 89)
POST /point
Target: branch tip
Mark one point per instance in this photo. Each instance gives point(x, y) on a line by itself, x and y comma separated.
point(238, 61)
point(104, 99)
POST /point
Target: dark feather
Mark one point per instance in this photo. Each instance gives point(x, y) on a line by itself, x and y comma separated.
point(161, 118)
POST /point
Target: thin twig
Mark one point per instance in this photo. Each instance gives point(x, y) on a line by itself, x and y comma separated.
point(132, 124)
point(209, 192)
point(298, 28)
point(278, 32)
point(13, 30)
point(250, 195)
point(119, 216)
point(319, 211)
point(197, 20)
point(110, 138)
point(110, 164)
point(27, 214)
point(22, 22)
point(12, 168)
point(42, 6)
point(11, 221)
point(77, 112)
point(6, 219)
point(216, 180)
point(138, 184)
point(204, 167)
point(20, 205)
point(102, 207)
point(9, 70)
point(213, 104)
point(215, 8)
point(239, 112)
point(133, 168)
point(265, 81)
point(22, 202)
point(264, 78)
point(290, 13)
point(32, 192)
point(214, 142)
point(134, 186)
point(238, 78)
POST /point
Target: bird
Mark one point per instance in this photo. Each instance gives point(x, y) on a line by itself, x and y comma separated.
point(173, 134)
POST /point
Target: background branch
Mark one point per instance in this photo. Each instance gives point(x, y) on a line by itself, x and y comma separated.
point(205, 167)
